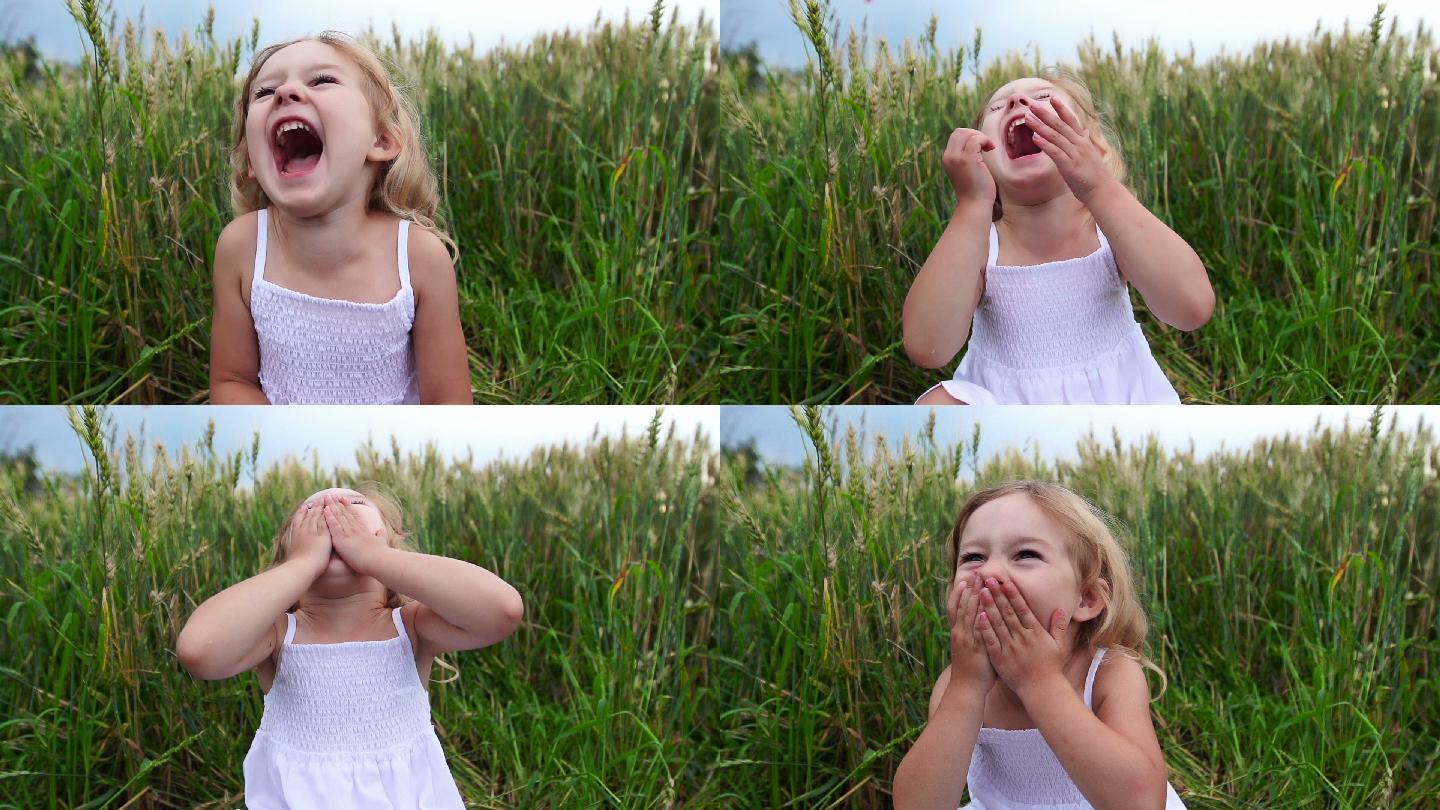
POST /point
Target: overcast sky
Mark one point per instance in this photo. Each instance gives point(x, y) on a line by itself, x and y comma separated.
point(1056, 28)
point(1054, 430)
point(335, 433)
point(488, 20)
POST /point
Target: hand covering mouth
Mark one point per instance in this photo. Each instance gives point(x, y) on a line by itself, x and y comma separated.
point(1019, 139)
point(296, 146)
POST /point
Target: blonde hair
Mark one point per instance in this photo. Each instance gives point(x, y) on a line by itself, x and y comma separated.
point(1102, 134)
point(1096, 555)
point(389, 515)
point(404, 187)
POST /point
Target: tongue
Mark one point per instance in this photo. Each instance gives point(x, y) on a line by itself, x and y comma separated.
point(303, 163)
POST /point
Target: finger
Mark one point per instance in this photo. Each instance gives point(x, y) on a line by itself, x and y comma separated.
point(1068, 116)
point(952, 602)
point(1052, 119)
point(1022, 610)
point(992, 612)
point(1058, 623)
point(1062, 160)
point(987, 633)
point(1007, 611)
point(1044, 131)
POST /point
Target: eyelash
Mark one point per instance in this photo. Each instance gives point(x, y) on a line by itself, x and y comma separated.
point(1038, 96)
point(974, 557)
point(323, 78)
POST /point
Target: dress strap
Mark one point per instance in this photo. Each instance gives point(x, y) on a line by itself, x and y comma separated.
point(404, 263)
point(289, 627)
point(994, 247)
point(262, 228)
point(1090, 676)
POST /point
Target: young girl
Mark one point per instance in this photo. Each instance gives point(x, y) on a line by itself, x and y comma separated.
point(343, 658)
point(323, 291)
point(1039, 249)
point(1045, 697)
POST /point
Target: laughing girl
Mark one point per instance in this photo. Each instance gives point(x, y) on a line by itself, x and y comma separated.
point(1035, 266)
point(324, 293)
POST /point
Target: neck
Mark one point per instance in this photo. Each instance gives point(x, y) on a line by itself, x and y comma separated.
point(344, 611)
point(1046, 226)
point(325, 241)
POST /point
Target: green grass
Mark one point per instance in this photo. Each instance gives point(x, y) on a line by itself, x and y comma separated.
point(577, 176)
point(1304, 173)
point(600, 698)
point(1291, 587)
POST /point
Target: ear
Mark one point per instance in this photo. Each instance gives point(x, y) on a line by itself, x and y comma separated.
point(385, 148)
point(1092, 601)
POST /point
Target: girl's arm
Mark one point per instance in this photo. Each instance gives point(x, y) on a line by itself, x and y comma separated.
point(234, 348)
point(231, 631)
point(462, 606)
point(1113, 757)
point(943, 297)
point(934, 770)
point(441, 358)
point(1162, 266)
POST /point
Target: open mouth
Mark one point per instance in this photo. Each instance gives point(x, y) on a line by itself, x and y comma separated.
point(1020, 140)
point(297, 148)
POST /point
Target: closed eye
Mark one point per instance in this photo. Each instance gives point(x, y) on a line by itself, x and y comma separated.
point(323, 78)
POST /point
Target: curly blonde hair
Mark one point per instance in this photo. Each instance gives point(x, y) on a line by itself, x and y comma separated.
point(1102, 134)
point(405, 187)
point(1096, 555)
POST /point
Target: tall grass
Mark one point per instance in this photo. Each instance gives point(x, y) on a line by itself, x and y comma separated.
point(1304, 173)
point(1291, 587)
point(600, 698)
point(577, 176)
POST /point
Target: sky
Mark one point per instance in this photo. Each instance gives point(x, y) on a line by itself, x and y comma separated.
point(1056, 28)
point(489, 21)
point(1054, 430)
point(335, 433)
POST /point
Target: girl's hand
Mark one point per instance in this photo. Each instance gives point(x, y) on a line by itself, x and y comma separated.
point(969, 662)
point(352, 539)
point(1060, 135)
point(967, 171)
point(1021, 651)
point(309, 537)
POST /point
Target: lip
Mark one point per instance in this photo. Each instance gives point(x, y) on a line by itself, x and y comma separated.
point(275, 155)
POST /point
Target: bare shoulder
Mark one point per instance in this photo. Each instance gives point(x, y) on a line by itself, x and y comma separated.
point(268, 665)
point(1122, 679)
point(937, 693)
point(430, 264)
point(235, 249)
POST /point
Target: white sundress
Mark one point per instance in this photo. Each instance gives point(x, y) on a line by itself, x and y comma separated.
point(1057, 333)
point(348, 725)
point(1016, 770)
point(327, 351)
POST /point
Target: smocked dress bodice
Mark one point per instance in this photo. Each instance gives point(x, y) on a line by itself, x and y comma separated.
point(347, 725)
point(1057, 333)
point(330, 351)
point(1016, 770)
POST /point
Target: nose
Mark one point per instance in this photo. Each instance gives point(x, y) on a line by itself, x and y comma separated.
point(290, 91)
point(1017, 98)
point(991, 569)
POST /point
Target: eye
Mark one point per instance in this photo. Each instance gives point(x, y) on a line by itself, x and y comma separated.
point(1042, 95)
point(971, 557)
point(262, 92)
point(323, 78)
point(1028, 554)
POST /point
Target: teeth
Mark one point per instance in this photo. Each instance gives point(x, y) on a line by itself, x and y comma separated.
point(291, 126)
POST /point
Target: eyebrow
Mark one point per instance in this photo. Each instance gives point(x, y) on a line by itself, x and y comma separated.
point(1022, 540)
point(270, 74)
